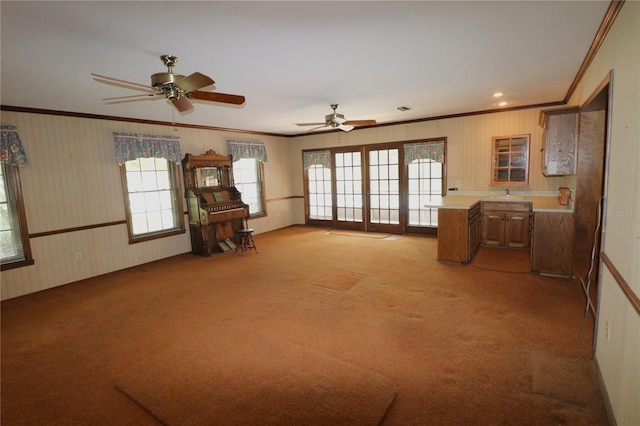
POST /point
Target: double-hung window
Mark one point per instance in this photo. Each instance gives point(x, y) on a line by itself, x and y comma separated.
point(247, 174)
point(14, 237)
point(149, 166)
point(153, 202)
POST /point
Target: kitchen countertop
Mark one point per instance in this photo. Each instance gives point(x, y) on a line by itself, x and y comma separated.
point(539, 204)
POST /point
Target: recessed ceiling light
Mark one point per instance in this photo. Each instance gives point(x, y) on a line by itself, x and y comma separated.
point(503, 103)
point(403, 108)
point(498, 94)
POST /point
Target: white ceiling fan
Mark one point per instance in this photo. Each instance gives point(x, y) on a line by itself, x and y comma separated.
point(336, 120)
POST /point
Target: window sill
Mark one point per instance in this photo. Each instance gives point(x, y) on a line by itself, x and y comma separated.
point(17, 264)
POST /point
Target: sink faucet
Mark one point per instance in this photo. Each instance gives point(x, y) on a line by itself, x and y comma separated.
point(506, 191)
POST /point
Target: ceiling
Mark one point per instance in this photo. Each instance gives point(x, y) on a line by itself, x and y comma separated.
point(291, 59)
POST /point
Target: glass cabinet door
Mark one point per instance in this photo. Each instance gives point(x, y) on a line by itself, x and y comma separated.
point(510, 162)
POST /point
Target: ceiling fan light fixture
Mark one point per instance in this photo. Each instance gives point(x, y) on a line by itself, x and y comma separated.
point(171, 92)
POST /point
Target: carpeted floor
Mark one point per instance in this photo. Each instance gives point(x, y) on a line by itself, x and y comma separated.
point(460, 345)
point(502, 260)
point(230, 375)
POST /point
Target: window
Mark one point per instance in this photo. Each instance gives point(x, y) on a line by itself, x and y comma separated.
point(153, 204)
point(424, 186)
point(510, 162)
point(380, 188)
point(349, 186)
point(319, 188)
point(14, 236)
point(247, 175)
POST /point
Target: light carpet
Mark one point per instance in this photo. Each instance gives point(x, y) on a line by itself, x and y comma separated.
point(230, 375)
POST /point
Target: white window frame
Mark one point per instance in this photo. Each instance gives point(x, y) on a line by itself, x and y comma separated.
point(248, 178)
point(158, 184)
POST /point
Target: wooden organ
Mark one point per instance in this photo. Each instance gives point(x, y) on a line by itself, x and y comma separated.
point(215, 206)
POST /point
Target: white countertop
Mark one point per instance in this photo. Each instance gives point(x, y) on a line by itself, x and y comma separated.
point(539, 204)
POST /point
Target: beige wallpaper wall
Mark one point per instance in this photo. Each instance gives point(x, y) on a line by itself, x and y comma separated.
point(73, 181)
point(619, 355)
point(468, 145)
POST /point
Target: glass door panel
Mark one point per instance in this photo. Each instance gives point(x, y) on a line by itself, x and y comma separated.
point(348, 169)
point(424, 178)
point(384, 190)
point(319, 190)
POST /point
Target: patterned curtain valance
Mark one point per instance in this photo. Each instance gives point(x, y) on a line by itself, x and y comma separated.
point(11, 149)
point(431, 150)
point(247, 149)
point(130, 146)
point(320, 158)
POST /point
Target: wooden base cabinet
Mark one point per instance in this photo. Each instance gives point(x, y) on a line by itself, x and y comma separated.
point(552, 243)
point(458, 233)
point(506, 224)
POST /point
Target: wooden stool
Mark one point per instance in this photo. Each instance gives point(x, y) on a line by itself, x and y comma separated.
point(245, 240)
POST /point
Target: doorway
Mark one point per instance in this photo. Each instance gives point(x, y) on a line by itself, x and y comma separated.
point(590, 190)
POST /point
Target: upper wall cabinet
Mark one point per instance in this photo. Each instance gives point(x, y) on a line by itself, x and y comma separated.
point(510, 160)
point(559, 141)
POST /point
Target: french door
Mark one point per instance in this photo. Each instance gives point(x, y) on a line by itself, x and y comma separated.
point(380, 188)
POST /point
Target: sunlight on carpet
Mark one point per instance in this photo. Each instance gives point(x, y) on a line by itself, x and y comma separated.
point(360, 234)
point(227, 374)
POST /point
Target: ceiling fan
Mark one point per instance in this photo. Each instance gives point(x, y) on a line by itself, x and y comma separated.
point(176, 87)
point(338, 121)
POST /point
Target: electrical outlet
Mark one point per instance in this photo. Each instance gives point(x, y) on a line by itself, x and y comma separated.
point(607, 329)
point(78, 255)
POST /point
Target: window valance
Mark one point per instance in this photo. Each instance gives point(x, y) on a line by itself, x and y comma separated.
point(11, 149)
point(247, 149)
point(428, 150)
point(313, 158)
point(130, 146)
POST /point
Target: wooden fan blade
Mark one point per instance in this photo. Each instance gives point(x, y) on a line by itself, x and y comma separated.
point(194, 81)
point(345, 128)
point(132, 96)
point(217, 97)
point(312, 124)
point(182, 104)
point(104, 77)
point(360, 122)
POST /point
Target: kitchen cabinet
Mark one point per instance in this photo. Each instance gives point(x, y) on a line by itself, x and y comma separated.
point(510, 160)
point(506, 224)
point(458, 233)
point(559, 141)
point(551, 249)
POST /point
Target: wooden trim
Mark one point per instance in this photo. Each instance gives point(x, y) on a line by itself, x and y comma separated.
point(223, 129)
point(601, 34)
point(22, 215)
point(624, 286)
point(130, 120)
point(77, 228)
point(290, 197)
